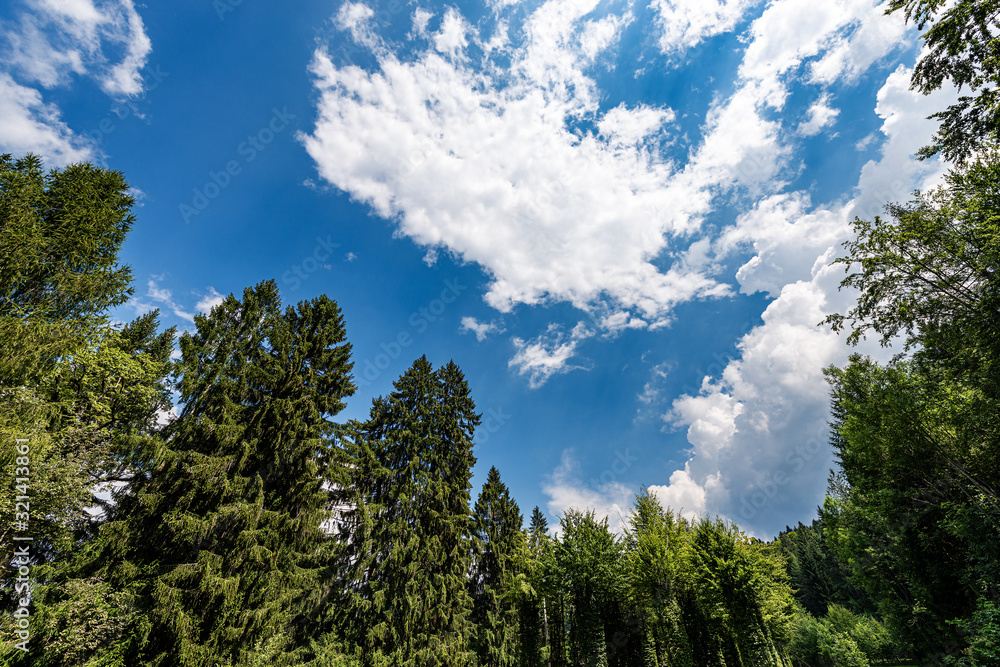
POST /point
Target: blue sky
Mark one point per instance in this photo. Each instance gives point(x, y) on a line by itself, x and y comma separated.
point(616, 217)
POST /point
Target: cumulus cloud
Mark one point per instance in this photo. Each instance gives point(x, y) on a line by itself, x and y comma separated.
point(821, 115)
point(28, 124)
point(684, 24)
point(483, 161)
point(759, 432)
point(55, 40)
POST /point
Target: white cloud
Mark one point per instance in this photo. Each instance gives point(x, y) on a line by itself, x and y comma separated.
point(165, 298)
point(209, 301)
point(47, 45)
point(451, 38)
point(567, 490)
point(846, 35)
point(821, 115)
point(686, 23)
point(686, 496)
point(759, 434)
point(652, 391)
point(481, 329)
point(627, 127)
point(27, 124)
point(549, 354)
point(484, 163)
point(106, 40)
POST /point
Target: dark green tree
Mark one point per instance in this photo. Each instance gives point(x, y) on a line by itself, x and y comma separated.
point(961, 48)
point(894, 509)
point(533, 636)
point(818, 578)
point(411, 530)
point(216, 554)
point(498, 571)
point(915, 503)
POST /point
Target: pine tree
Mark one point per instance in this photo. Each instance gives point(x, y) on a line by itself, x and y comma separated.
point(217, 552)
point(411, 534)
point(495, 583)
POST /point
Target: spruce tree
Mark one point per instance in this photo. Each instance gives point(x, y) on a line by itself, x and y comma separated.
point(410, 534)
point(216, 553)
point(495, 583)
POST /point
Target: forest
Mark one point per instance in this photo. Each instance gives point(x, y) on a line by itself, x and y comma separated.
point(258, 528)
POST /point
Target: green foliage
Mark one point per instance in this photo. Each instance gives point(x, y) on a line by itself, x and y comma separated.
point(930, 271)
point(961, 48)
point(742, 596)
point(889, 516)
point(984, 633)
point(818, 644)
point(914, 511)
point(657, 558)
point(590, 561)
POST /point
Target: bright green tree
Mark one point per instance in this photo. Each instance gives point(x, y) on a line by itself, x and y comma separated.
point(657, 556)
point(411, 531)
point(743, 601)
point(60, 233)
point(590, 560)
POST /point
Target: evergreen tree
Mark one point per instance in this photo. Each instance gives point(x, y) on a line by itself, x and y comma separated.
point(495, 582)
point(216, 554)
point(590, 559)
point(410, 534)
point(539, 527)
